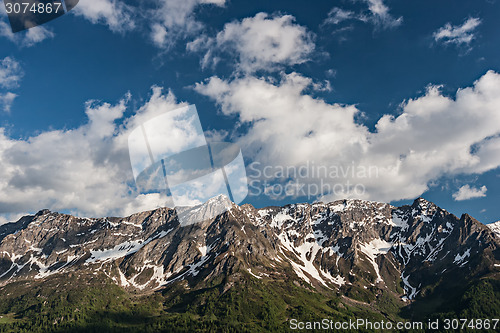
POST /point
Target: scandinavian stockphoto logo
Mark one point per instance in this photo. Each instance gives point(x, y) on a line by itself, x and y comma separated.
point(26, 14)
point(170, 155)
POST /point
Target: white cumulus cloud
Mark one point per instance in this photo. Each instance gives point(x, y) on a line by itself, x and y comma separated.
point(466, 192)
point(26, 38)
point(261, 42)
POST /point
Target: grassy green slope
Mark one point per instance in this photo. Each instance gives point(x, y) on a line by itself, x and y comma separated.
point(94, 304)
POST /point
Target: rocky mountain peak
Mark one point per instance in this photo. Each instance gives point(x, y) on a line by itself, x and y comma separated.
point(43, 212)
point(347, 245)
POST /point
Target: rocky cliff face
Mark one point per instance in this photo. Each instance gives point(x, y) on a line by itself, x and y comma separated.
point(348, 246)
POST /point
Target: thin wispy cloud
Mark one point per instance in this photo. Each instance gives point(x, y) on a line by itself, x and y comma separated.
point(337, 15)
point(6, 101)
point(27, 38)
point(164, 21)
point(381, 15)
point(458, 34)
point(11, 73)
point(175, 19)
point(377, 13)
point(117, 15)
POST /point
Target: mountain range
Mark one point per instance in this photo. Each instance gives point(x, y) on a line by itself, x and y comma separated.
point(247, 269)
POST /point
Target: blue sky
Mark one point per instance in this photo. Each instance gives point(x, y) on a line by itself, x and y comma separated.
point(409, 88)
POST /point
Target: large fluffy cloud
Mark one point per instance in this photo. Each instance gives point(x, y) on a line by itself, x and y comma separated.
point(434, 135)
point(85, 170)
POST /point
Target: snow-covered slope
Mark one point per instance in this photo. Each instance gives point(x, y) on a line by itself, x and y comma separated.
point(495, 227)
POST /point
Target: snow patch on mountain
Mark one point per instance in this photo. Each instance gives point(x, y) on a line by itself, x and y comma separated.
point(120, 250)
point(372, 250)
point(459, 258)
point(411, 292)
point(256, 276)
point(399, 221)
point(279, 219)
point(302, 252)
